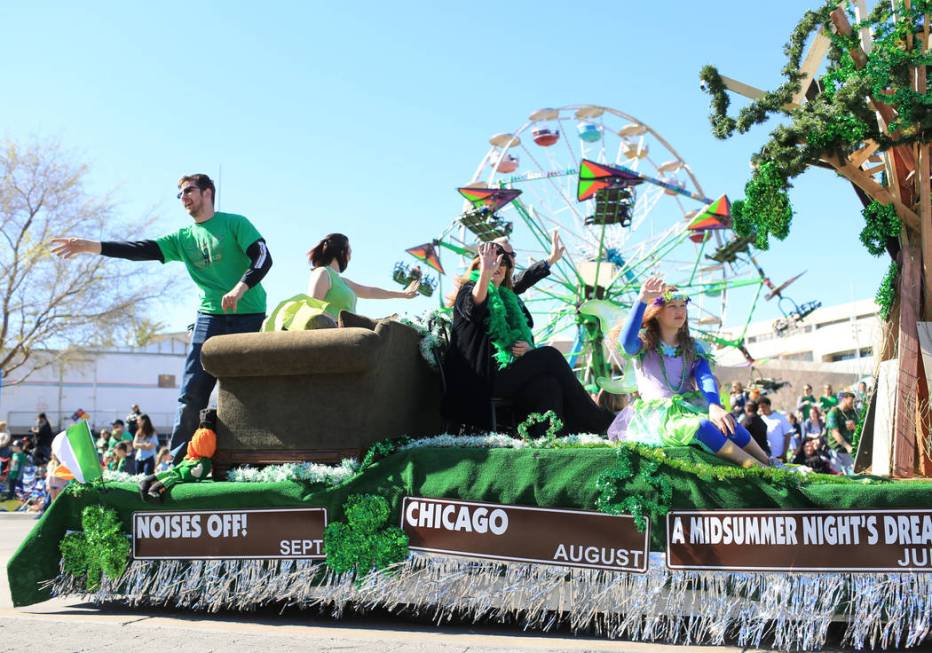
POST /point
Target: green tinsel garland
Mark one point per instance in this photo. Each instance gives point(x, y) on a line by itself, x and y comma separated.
point(554, 425)
point(886, 293)
point(637, 484)
point(382, 449)
point(364, 542)
point(766, 209)
point(835, 122)
point(650, 493)
point(100, 550)
point(760, 109)
point(880, 223)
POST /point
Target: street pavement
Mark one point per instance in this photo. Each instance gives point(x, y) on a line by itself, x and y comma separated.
point(63, 625)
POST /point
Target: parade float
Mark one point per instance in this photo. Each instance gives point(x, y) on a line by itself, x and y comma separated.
point(370, 505)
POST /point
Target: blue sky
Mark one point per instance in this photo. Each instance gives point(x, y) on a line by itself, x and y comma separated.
point(363, 117)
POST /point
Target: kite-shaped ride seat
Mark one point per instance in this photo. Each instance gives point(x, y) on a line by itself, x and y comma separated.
point(320, 395)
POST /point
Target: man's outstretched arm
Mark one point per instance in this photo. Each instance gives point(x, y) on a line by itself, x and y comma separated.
point(138, 250)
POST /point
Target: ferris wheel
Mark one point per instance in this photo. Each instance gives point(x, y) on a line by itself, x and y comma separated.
point(617, 235)
point(626, 205)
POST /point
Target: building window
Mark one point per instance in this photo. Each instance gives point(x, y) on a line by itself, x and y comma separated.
point(798, 356)
point(167, 381)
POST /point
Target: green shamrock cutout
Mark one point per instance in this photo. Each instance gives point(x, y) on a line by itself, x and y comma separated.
point(101, 549)
point(364, 542)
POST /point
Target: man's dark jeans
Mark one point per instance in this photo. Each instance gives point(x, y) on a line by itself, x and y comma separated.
point(197, 384)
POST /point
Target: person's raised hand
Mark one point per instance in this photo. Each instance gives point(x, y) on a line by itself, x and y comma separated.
point(651, 289)
point(489, 258)
point(556, 248)
point(410, 291)
point(68, 247)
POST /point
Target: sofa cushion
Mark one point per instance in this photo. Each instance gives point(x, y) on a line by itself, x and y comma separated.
point(286, 353)
point(352, 320)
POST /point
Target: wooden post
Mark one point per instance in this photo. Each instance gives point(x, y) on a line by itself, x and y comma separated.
point(925, 204)
point(904, 429)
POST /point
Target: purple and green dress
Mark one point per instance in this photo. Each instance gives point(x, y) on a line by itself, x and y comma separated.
point(674, 395)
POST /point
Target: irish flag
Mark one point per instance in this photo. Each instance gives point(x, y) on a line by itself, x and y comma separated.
point(75, 450)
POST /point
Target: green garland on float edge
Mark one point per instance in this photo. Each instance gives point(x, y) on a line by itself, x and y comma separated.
point(364, 543)
point(636, 485)
point(100, 550)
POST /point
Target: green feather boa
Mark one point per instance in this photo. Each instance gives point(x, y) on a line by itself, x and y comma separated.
point(506, 323)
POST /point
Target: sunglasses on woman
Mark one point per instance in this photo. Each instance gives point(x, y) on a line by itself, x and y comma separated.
point(505, 254)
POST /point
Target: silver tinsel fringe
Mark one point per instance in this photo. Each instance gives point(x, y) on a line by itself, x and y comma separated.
point(793, 611)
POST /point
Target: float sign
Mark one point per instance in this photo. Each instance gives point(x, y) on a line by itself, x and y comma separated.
point(800, 540)
point(569, 538)
point(288, 534)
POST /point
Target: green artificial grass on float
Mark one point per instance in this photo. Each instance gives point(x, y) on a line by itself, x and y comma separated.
point(554, 477)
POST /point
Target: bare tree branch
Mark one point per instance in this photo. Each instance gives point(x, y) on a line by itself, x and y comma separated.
point(50, 305)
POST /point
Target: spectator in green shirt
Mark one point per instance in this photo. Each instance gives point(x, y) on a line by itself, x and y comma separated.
point(14, 479)
point(828, 400)
point(840, 425)
point(806, 401)
point(226, 257)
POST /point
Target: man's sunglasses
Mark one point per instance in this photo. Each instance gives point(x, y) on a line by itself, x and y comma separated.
point(187, 190)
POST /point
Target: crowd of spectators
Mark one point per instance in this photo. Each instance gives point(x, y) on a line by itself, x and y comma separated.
point(819, 433)
point(33, 474)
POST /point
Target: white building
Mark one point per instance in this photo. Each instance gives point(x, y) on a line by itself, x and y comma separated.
point(841, 338)
point(103, 383)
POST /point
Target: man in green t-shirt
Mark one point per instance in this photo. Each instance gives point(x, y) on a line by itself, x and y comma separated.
point(840, 425)
point(14, 478)
point(226, 257)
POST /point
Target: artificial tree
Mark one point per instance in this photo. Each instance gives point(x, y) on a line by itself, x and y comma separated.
point(863, 114)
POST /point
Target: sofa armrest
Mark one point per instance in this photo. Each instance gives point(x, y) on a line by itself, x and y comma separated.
point(285, 353)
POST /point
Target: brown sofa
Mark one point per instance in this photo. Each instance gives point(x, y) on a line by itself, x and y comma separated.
point(319, 395)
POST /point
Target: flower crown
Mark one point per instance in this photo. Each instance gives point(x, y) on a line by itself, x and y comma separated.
point(670, 296)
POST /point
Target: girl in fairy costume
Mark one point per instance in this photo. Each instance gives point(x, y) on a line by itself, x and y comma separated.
point(678, 403)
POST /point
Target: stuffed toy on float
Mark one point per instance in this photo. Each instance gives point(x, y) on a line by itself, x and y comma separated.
point(195, 467)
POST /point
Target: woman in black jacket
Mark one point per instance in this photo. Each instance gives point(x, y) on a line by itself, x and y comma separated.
point(492, 353)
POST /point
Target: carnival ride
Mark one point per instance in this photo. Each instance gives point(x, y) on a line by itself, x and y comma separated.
point(627, 205)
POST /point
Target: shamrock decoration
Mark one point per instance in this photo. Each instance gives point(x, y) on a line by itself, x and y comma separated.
point(101, 549)
point(364, 543)
point(554, 425)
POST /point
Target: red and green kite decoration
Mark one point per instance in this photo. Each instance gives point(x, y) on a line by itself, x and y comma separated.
point(594, 177)
point(428, 254)
point(715, 215)
point(489, 198)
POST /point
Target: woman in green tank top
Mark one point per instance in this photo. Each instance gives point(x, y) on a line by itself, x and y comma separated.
point(330, 257)
point(328, 292)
